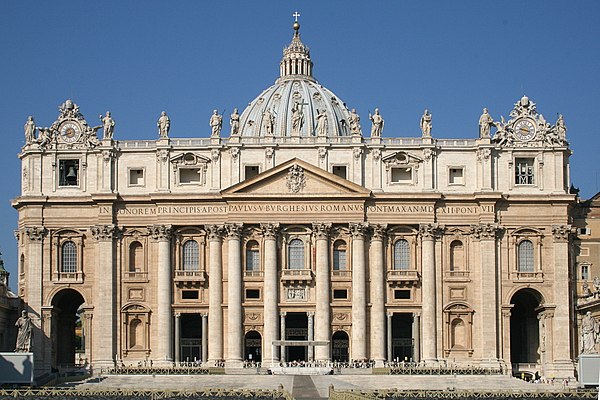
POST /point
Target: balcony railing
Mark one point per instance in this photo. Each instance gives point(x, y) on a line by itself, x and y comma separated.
point(296, 275)
point(458, 275)
point(403, 276)
point(537, 276)
point(70, 277)
point(136, 276)
point(196, 277)
point(341, 273)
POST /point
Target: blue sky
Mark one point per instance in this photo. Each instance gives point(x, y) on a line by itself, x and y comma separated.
point(137, 58)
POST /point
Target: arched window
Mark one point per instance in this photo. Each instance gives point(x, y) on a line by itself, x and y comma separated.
point(252, 256)
point(68, 257)
point(136, 257)
point(296, 254)
point(457, 256)
point(339, 255)
point(525, 256)
point(401, 254)
point(190, 256)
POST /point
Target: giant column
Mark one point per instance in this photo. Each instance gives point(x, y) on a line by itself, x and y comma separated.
point(105, 303)
point(428, 312)
point(322, 309)
point(486, 233)
point(359, 300)
point(164, 314)
point(234, 297)
point(215, 294)
point(560, 341)
point(33, 293)
point(271, 293)
point(378, 292)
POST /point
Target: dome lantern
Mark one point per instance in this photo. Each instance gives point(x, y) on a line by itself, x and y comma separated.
point(296, 57)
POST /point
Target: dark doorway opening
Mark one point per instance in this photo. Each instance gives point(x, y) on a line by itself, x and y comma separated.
point(253, 346)
point(296, 328)
point(524, 327)
point(402, 340)
point(340, 344)
point(191, 337)
point(67, 329)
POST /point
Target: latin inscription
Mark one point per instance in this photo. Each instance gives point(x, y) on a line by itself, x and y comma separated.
point(297, 208)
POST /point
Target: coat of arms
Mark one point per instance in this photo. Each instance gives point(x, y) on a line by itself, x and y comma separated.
point(296, 179)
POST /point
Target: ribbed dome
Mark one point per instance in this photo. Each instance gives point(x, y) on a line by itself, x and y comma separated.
point(291, 107)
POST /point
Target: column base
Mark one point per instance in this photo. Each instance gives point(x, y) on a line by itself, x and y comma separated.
point(234, 364)
point(560, 370)
point(491, 363)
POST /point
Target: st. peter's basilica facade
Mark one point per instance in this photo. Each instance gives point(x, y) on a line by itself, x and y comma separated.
point(295, 224)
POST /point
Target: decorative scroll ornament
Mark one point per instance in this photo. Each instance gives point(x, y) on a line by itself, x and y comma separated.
point(233, 230)
point(486, 231)
point(561, 232)
point(104, 232)
point(321, 230)
point(296, 180)
point(379, 231)
point(215, 232)
point(35, 233)
point(69, 131)
point(269, 230)
point(160, 232)
point(358, 229)
point(269, 152)
point(215, 154)
point(527, 128)
point(431, 231)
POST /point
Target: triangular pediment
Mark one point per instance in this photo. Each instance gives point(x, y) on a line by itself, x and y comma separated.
point(296, 178)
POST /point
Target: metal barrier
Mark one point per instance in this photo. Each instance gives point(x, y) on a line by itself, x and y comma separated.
point(259, 394)
point(459, 394)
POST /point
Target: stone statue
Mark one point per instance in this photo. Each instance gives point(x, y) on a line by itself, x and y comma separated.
point(561, 129)
point(108, 124)
point(45, 137)
point(297, 119)
point(268, 122)
point(377, 124)
point(321, 123)
point(216, 123)
point(25, 326)
point(596, 283)
point(234, 121)
point(354, 122)
point(426, 124)
point(29, 130)
point(164, 124)
point(585, 288)
point(589, 334)
point(485, 123)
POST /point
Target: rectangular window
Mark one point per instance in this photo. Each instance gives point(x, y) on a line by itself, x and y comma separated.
point(339, 170)
point(252, 294)
point(401, 294)
point(456, 176)
point(402, 175)
point(189, 176)
point(136, 177)
point(68, 172)
point(585, 272)
point(250, 171)
point(340, 294)
point(189, 294)
point(524, 171)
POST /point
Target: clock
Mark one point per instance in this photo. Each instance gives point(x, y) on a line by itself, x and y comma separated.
point(70, 131)
point(524, 129)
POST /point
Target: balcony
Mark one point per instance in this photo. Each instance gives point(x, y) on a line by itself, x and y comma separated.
point(403, 277)
point(296, 276)
point(341, 275)
point(253, 275)
point(532, 277)
point(68, 277)
point(135, 276)
point(190, 278)
point(457, 276)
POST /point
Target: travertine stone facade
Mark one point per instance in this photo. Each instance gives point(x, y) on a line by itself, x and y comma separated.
point(385, 248)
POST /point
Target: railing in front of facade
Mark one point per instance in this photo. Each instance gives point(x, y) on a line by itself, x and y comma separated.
point(414, 368)
point(69, 277)
point(296, 274)
point(457, 274)
point(537, 276)
point(135, 276)
point(189, 275)
point(361, 394)
point(402, 275)
point(136, 144)
point(253, 274)
point(338, 274)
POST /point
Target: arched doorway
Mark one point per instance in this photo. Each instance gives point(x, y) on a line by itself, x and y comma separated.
point(67, 332)
point(252, 346)
point(524, 327)
point(339, 344)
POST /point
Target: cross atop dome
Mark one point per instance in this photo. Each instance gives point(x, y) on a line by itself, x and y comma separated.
point(296, 14)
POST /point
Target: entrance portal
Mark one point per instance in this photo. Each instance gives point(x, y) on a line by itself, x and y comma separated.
point(67, 335)
point(191, 337)
point(402, 340)
point(296, 328)
point(339, 344)
point(524, 328)
point(252, 348)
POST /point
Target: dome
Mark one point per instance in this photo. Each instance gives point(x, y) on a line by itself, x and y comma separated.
point(296, 102)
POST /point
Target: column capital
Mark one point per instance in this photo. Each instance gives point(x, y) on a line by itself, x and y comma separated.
point(321, 230)
point(561, 233)
point(282, 313)
point(389, 314)
point(358, 229)
point(160, 232)
point(379, 231)
point(105, 233)
point(486, 231)
point(215, 232)
point(310, 313)
point(36, 233)
point(233, 230)
point(204, 314)
point(269, 230)
point(431, 231)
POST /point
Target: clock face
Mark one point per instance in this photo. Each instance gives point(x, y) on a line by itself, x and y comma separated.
point(525, 129)
point(70, 131)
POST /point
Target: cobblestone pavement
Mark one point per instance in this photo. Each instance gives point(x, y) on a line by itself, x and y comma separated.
point(301, 387)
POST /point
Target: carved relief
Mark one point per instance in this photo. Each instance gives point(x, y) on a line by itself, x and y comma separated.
point(160, 232)
point(35, 233)
point(379, 231)
point(484, 154)
point(321, 230)
point(235, 152)
point(357, 152)
point(234, 230)
point(358, 229)
point(215, 154)
point(322, 152)
point(296, 180)
point(269, 230)
point(431, 231)
point(269, 152)
point(376, 154)
point(486, 231)
point(561, 232)
point(105, 232)
point(215, 232)
point(296, 294)
point(162, 155)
